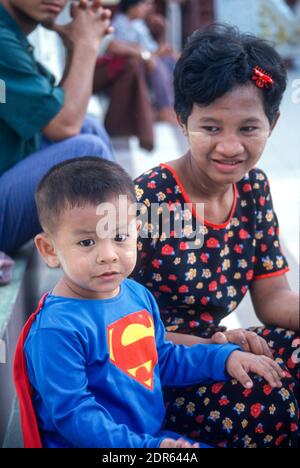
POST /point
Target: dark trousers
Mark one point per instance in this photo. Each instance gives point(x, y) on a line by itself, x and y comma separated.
point(129, 112)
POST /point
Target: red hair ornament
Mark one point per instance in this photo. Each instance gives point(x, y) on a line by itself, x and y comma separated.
point(261, 78)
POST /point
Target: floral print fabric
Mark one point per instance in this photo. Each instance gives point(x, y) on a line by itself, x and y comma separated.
point(224, 414)
point(197, 288)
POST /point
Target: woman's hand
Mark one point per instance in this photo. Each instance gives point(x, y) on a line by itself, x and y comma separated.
point(239, 364)
point(179, 443)
point(247, 340)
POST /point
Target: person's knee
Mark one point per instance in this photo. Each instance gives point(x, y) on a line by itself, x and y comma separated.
point(91, 126)
point(285, 401)
point(90, 145)
point(279, 403)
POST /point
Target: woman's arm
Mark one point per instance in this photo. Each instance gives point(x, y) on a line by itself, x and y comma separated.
point(188, 340)
point(275, 303)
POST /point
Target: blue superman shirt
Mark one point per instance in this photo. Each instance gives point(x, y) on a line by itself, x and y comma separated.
point(97, 368)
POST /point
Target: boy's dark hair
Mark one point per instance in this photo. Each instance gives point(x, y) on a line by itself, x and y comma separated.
point(219, 58)
point(124, 5)
point(79, 181)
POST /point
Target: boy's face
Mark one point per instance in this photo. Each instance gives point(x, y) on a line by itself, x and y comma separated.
point(95, 252)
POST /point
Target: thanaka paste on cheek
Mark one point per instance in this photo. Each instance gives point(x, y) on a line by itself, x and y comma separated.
point(264, 135)
point(199, 137)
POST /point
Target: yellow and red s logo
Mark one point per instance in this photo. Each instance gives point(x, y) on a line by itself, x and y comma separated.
point(132, 346)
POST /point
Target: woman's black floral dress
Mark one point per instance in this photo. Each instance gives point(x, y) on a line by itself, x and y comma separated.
point(197, 285)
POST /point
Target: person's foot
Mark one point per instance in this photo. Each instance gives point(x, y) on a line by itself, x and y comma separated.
point(166, 114)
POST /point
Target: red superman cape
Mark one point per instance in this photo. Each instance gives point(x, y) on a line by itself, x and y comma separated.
point(24, 390)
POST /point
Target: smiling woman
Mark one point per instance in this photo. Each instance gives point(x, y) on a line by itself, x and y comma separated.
point(227, 117)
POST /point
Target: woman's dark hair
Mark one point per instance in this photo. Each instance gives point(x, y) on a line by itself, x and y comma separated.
point(124, 5)
point(219, 58)
point(77, 182)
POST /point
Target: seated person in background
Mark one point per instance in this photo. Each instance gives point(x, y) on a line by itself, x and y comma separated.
point(99, 334)
point(130, 26)
point(121, 73)
point(156, 24)
point(42, 124)
point(150, 28)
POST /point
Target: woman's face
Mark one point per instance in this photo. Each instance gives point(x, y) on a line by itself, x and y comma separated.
point(228, 136)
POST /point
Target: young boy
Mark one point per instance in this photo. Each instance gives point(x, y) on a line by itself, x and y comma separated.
point(95, 354)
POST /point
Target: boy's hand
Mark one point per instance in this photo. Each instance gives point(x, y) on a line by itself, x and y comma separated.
point(247, 340)
point(240, 363)
point(179, 443)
